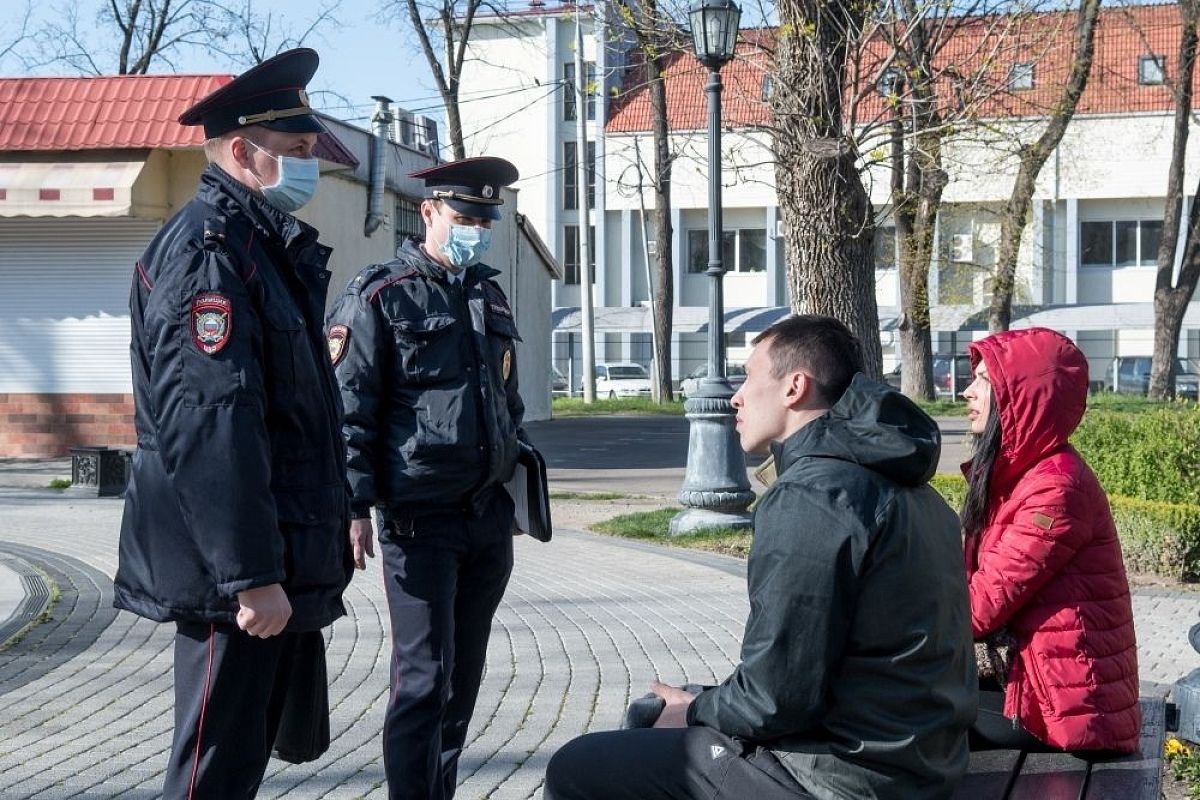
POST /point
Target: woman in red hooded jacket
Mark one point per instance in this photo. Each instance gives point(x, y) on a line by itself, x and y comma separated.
point(1043, 560)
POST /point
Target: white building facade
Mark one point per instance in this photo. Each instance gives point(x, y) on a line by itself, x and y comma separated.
point(1087, 262)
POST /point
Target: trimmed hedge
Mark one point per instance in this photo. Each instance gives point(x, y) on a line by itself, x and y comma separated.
point(1156, 538)
point(1159, 538)
point(1152, 454)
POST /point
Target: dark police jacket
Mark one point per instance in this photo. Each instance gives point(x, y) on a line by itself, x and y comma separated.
point(428, 375)
point(238, 480)
point(857, 666)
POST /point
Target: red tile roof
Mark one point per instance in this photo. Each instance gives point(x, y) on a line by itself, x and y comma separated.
point(121, 112)
point(741, 94)
point(1123, 35)
point(117, 112)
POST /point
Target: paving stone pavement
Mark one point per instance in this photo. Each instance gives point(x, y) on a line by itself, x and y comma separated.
point(85, 698)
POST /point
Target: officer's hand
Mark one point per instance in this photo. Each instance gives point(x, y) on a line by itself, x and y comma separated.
point(362, 540)
point(264, 611)
point(674, 713)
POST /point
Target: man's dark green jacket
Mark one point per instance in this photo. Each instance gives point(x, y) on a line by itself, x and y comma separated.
point(857, 666)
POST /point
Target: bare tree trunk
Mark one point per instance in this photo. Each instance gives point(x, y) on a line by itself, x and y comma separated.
point(456, 29)
point(1032, 159)
point(454, 127)
point(825, 208)
point(914, 233)
point(917, 186)
point(1170, 300)
point(664, 283)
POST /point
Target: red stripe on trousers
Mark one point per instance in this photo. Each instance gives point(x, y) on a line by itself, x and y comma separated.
point(212, 634)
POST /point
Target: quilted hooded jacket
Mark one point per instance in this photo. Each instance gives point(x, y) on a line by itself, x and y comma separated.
point(1047, 564)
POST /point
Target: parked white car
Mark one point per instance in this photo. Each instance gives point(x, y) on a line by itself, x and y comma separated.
point(622, 379)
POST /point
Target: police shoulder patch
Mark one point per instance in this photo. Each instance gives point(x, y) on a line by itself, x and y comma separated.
point(212, 322)
point(337, 337)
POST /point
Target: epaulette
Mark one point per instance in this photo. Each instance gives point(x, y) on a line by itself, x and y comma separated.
point(214, 232)
point(364, 277)
point(404, 272)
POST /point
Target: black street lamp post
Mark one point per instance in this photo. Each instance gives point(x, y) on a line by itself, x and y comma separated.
point(715, 490)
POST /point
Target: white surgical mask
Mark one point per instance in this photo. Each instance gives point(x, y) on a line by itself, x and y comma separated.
point(296, 184)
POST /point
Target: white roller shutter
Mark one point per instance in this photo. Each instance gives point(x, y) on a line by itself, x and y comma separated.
point(64, 303)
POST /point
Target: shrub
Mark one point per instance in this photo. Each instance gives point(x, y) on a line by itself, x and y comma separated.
point(951, 487)
point(1156, 538)
point(1152, 454)
point(1159, 538)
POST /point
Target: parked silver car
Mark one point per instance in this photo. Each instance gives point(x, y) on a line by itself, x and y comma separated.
point(736, 374)
point(1131, 375)
point(558, 383)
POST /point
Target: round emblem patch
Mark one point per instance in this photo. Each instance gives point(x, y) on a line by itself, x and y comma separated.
point(212, 322)
point(506, 364)
point(337, 337)
point(488, 191)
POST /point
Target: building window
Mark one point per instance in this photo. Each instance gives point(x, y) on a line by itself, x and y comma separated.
point(570, 98)
point(768, 87)
point(571, 175)
point(891, 82)
point(885, 247)
point(1020, 77)
point(742, 250)
point(1120, 243)
point(1152, 70)
point(571, 253)
point(408, 220)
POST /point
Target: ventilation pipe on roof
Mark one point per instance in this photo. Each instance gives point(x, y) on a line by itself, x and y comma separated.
point(381, 122)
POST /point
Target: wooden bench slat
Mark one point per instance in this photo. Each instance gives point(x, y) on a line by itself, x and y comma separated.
point(1058, 776)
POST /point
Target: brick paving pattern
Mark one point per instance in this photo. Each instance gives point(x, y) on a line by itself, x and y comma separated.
point(85, 699)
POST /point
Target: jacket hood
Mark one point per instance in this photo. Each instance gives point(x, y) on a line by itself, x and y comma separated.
point(1039, 386)
point(874, 426)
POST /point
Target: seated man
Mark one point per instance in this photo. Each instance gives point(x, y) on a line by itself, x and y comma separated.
point(857, 673)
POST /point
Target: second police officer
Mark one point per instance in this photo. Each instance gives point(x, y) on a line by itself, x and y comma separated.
point(424, 351)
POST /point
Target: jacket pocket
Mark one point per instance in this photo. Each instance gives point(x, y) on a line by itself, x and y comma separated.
point(283, 332)
point(427, 348)
point(502, 326)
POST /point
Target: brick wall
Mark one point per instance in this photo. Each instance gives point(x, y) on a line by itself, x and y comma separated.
point(40, 425)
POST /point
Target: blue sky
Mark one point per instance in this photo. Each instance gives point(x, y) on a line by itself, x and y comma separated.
point(362, 55)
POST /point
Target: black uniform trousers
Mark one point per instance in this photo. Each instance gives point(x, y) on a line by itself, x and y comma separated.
point(229, 696)
point(693, 763)
point(445, 574)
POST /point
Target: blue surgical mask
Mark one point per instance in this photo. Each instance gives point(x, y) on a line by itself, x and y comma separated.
point(466, 244)
point(296, 184)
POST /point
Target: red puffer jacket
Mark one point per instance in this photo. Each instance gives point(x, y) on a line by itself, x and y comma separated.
point(1048, 563)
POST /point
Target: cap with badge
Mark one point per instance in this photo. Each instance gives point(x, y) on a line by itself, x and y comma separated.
point(470, 186)
point(270, 94)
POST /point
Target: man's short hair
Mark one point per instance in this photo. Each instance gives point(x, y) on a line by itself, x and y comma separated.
point(819, 346)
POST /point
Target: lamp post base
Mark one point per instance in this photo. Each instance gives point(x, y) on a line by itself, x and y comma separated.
point(715, 489)
point(702, 520)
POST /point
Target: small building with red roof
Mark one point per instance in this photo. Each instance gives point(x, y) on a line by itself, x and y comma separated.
point(90, 168)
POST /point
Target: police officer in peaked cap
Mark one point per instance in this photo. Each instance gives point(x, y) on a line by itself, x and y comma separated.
point(236, 511)
point(425, 353)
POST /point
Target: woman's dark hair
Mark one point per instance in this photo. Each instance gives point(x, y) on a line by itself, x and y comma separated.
point(987, 446)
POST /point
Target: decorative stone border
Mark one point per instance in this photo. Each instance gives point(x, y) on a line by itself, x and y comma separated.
point(37, 598)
